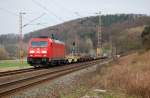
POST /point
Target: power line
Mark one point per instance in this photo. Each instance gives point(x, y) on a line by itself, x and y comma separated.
point(15, 14)
point(77, 13)
point(7, 11)
point(12, 13)
point(70, 11)
point(45, 8)
point(61, 7)
point(56, 3)
point(34, 19)
point(67, 9)
point(43, 24)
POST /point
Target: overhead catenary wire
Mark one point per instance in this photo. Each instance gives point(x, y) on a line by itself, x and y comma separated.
point(33, 20)
point(67, 9)
point(7, 11)
point(46, 9)
point(61, 5)
point(12, 13)
point(76, 13)
point(29, 21)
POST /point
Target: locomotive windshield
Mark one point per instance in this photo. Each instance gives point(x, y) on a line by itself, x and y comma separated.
point(39, 44)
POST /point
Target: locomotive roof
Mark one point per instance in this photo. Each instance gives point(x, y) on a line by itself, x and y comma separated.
point(53, 40)
point(58, 41)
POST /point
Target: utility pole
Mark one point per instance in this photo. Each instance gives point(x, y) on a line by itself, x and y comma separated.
point(99, 36)
point(113, 47)
point(20, 38)
point(21, 26)
point(76, 46)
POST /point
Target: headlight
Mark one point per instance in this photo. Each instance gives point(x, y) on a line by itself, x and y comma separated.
point(44, 51)
point(31, 51)
point(44, 55)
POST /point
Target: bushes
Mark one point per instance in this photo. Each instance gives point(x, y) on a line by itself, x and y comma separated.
point(146, 37)
point(131, 75)
point(133, 83)
point(3, 54)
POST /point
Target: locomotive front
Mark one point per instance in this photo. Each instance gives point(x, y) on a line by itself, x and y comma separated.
point(38, 51)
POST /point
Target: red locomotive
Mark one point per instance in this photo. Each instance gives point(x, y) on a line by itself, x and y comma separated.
point(45, 51)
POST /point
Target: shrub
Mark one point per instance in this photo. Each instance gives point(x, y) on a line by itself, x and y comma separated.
point(3, 54)
point(146, 37)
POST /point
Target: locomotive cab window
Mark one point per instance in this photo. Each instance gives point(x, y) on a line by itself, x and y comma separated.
point(39, 44)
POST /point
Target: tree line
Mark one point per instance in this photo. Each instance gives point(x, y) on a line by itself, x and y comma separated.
point(83, 31)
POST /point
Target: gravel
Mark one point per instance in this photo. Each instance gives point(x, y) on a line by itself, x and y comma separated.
point(53, 88)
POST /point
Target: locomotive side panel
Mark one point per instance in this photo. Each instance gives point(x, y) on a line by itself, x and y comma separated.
point(58, 51)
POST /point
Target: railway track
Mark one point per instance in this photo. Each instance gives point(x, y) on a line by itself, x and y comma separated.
point(7, 73)
point(24, 82)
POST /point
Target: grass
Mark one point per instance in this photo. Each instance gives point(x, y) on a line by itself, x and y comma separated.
point(86, 86)
point(130, 75)
point(127, 77)
point(12, 63)
point(76, 93)
point(83, 91)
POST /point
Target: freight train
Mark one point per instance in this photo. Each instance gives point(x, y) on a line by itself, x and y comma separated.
point(44, 51)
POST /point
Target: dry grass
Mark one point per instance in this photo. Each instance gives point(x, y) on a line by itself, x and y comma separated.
point(131, 74)
point(127, 78)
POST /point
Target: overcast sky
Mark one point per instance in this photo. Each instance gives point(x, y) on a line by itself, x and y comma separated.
point(51, 12)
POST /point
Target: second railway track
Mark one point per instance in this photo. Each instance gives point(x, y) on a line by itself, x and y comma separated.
point(12, 72)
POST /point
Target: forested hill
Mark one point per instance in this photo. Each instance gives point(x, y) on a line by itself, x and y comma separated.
point(83, 32)
point(84, 26)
